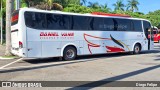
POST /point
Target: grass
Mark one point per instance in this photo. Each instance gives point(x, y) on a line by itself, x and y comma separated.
point(9, 57)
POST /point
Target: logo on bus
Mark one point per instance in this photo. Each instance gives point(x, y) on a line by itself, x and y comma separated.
point(49, 34)
point(56, 35)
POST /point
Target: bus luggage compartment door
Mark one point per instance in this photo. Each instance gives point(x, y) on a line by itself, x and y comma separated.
point(34, 44)
point(34, 49)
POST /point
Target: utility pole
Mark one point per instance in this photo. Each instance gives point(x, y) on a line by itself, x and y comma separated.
point(1, 23)
point(17, 4)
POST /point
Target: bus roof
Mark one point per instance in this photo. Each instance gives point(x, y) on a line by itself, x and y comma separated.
point(87, 14)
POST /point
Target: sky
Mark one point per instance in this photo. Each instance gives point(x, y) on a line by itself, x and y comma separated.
point(145, 5)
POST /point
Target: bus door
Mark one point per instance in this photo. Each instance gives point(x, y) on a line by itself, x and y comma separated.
point(149, 35)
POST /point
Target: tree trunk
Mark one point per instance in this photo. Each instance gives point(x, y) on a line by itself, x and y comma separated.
point(8, 26)
point(132, 9)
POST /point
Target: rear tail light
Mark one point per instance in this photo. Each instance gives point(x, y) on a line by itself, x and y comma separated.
point(14, 18)
point(20, 44)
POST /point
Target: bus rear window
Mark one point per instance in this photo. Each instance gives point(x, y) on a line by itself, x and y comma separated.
point(14, 18)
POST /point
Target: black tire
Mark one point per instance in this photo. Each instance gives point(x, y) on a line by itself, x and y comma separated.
point(69, 53)
point(137, 49)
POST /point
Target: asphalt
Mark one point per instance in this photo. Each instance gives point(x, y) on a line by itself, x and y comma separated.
point(110, 67)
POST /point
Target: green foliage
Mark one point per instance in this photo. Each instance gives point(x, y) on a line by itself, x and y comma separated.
point(77, 9)
point(31, 3)
point(158, 25)
point(3, 7)
point(83, 9)
point(119, 5)
point(65, 3)
point(132, 5)
point(154, 17)
point(23, 4)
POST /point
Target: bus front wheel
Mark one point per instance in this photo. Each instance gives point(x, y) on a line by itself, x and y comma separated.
point(69, 53)
point(137, 49)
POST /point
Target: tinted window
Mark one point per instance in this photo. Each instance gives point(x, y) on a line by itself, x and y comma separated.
point(80, 23)
point(122, 25)
point(98, 23)
point(137, 25)
point(73, 22)
point(108, 24)
point(146, 26)
point(58, 22)
point(35, 20)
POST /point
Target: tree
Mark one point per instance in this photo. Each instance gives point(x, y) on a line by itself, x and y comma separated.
point(83, 2)
point(77, 9)
point(49, 5)
point(9, 6)
point(132, 5)
point(31, 3)
point(158, 26)
point(153, 17)
point(119, 5)
point(3, 6)
point(105, 8)
point(23, 3)
point(65, 3)
point(49, 2)
point(94, 5)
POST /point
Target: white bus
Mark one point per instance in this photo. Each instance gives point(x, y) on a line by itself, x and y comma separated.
point(40, 34)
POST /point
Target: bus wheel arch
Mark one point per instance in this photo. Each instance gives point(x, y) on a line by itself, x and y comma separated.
point(137, 48)
point(69, 52)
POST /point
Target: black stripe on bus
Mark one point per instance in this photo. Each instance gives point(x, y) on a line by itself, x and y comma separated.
point(116, 41)
point(14, 30)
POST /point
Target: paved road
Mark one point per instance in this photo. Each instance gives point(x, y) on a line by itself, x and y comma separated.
point(111, 67)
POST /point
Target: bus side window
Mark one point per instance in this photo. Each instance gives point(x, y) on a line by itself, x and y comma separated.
point(79, 23)
point(108, 24)
point(57, 21)
point(137, 25)
point(35, 20)
point(33, 17)
point(40, 21)
point(122, 25)
point(98, 23)
point(28, 19)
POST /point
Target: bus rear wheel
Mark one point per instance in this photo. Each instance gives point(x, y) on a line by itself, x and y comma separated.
point(137, 49)
point(69, 53)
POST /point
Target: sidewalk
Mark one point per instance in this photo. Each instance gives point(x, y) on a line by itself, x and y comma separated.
point(2, 50)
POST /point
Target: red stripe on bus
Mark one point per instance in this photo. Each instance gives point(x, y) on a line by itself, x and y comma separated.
point(114, 49)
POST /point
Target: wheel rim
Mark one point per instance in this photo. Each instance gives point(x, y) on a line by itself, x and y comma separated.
point(70, 54)
point(137, 49)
